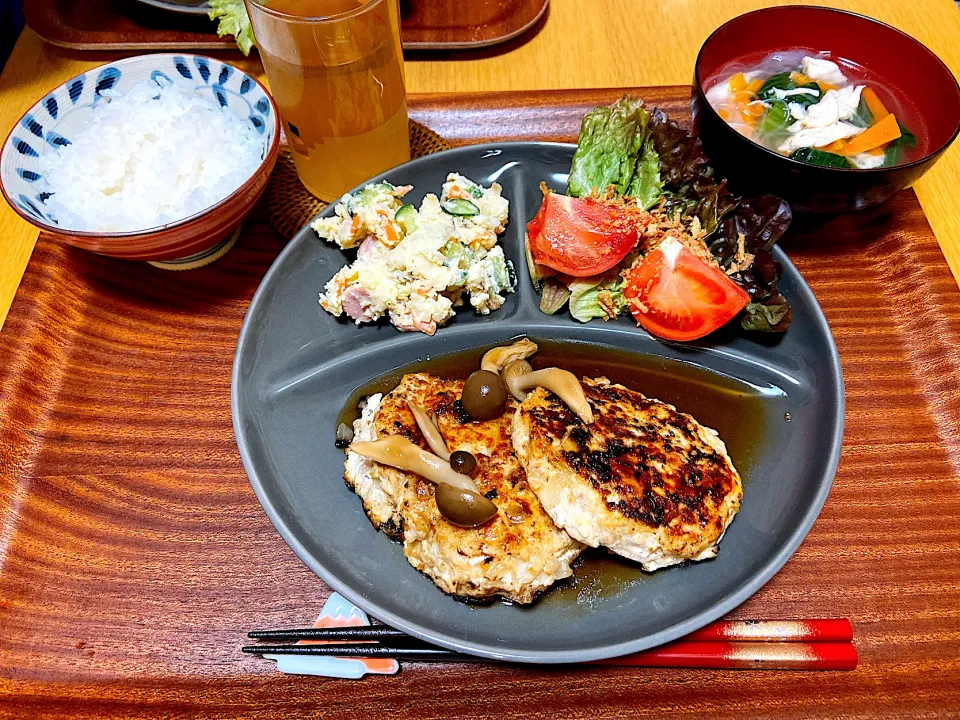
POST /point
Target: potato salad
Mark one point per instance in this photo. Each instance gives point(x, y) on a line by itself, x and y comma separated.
point(416, 265)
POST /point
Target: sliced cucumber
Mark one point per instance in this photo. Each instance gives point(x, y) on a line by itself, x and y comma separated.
point(407, 217)
point(459, 207)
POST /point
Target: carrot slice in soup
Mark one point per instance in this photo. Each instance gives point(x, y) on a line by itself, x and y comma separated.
point(737, 82)
point(874, 104)
point(887, 130)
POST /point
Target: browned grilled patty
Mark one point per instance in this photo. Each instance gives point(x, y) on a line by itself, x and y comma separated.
point(517, 554)
point(644, 480)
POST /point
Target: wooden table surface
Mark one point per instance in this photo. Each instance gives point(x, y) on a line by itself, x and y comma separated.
point(598, 44)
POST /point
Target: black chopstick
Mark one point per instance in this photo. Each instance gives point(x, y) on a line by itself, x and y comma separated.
point(412, 654)
point(374, 632)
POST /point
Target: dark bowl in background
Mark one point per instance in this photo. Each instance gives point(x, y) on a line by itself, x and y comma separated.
point(912, 72)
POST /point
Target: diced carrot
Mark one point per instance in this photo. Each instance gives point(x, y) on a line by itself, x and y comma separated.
point(737, 82)
point(876, 107)
point(800, 79)
point(754, 85)
point(391, 229)
point(742, 98)
point(754, 109)
point(887, 130)
point(879, 150)
point(824, 87)
point(724, 112)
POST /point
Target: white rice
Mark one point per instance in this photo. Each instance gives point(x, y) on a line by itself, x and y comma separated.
point(147, 158)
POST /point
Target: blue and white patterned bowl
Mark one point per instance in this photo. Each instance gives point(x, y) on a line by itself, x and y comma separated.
point(61, 113)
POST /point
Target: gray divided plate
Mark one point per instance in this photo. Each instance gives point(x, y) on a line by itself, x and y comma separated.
point(296, 367)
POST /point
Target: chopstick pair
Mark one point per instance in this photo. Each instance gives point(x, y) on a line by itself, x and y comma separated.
point(760, 644)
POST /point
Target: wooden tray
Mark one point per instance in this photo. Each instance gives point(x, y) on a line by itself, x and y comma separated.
point(128, 25)
point(135, 556)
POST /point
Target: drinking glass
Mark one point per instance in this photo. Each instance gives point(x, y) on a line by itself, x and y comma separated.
point(335, 69)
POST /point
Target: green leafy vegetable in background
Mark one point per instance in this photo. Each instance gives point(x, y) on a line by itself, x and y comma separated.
point(646, 185)
point(233, 21)
point(813, 156)
point(610, 141)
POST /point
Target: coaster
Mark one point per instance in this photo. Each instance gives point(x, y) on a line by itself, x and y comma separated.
point(290, 205)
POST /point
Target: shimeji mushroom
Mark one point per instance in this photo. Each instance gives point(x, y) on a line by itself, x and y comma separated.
point(520, 377)
point(457, 496)
point(498, 358)
point(430, 430)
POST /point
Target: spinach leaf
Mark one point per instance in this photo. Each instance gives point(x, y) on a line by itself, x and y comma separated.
point(907, 138)
point(813, 156)
point(780, 81)
point(806, 99)
point(897, 150)
point(775, 121)
point(863, 117)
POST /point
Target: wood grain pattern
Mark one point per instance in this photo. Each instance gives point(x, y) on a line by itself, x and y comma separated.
point(134, 554)
point(425, 25)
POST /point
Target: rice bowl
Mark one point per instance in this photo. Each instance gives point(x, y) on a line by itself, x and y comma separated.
point(56, 120)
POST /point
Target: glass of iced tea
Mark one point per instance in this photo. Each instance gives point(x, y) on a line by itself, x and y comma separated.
point(335, 68)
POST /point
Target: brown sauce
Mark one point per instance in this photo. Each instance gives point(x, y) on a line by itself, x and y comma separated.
point(734, 409)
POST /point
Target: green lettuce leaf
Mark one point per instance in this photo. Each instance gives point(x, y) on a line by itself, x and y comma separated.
point(646, 185)
point(586, 295)
point(610, 140)
point(554, 296)
point(772, 315)
point(233, 21)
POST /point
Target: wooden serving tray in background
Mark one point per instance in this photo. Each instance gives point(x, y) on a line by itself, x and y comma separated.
point(134, 555)
point(128, 25)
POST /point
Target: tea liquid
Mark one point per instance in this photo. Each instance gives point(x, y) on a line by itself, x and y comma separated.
point(339, 86)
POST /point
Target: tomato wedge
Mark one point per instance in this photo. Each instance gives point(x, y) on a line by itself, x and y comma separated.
point(677, 296)
point(580, 236)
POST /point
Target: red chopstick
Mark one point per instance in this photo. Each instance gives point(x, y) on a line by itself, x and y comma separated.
point(825, 630)
point(745, 655)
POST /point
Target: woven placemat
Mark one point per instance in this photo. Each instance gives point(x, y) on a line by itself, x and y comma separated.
point(291, 206)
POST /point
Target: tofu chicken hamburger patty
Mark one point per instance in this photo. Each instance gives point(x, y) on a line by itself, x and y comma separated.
point(643, 480)
point(516, 555)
